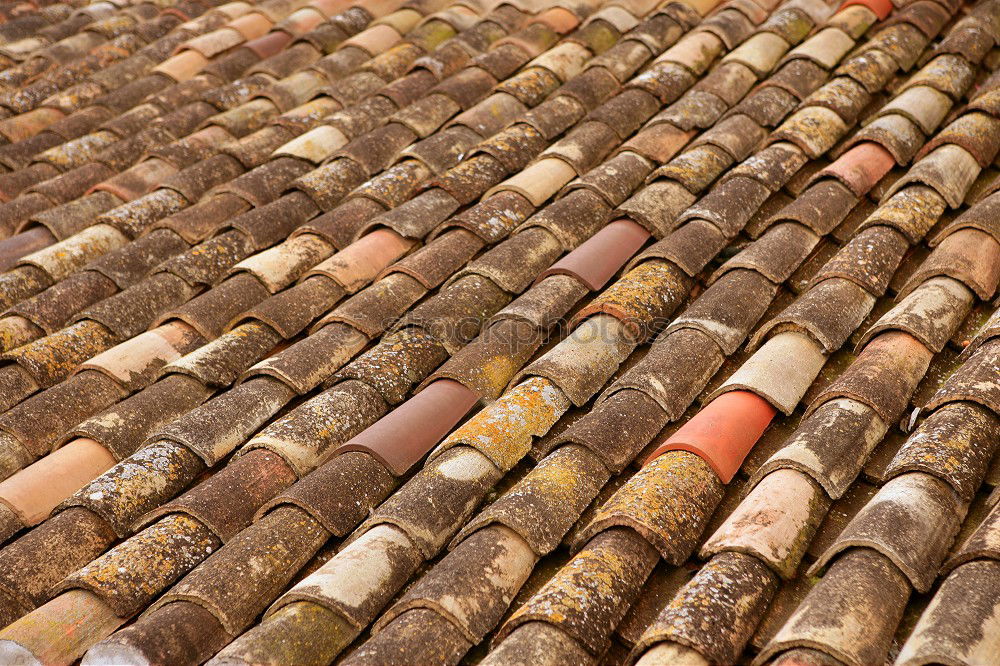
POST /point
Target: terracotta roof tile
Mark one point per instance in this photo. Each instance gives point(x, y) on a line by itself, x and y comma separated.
point(351, 206)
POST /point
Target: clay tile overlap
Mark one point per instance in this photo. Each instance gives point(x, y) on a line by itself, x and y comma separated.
point(514, 300)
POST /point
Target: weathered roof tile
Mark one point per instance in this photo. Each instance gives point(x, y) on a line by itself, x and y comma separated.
point(275, 248)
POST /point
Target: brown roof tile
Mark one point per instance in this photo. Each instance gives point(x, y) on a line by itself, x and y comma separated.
point(813, 621)
point(495, 143)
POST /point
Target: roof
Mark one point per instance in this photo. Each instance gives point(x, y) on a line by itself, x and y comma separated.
point(565, 332)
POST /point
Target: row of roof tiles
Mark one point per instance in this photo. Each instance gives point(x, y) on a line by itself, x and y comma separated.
point(275, 232)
